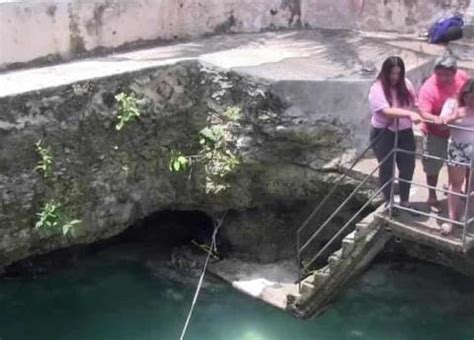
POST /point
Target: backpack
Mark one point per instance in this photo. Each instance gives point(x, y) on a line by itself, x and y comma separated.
point(446, 29)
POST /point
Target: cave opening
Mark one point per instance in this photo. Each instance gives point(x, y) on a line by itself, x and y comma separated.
point(160, 232)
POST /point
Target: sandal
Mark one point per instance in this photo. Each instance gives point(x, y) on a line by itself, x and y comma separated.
point(446, 228)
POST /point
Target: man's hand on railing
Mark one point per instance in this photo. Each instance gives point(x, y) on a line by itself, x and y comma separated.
point(438, 120)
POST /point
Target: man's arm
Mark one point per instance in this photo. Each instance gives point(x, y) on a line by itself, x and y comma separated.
point(431, 117)
point(425, 106)
point(450, 111)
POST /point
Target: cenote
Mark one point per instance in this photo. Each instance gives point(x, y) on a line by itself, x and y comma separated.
point(122, 141)
point(128, 290)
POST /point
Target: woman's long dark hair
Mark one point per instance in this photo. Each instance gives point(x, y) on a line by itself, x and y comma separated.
point(405, 98)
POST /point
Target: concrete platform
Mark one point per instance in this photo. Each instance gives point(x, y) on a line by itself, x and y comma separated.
point(423, 229)
point(280, 56)
point(270, 283)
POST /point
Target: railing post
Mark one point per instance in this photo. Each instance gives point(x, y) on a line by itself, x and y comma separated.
point(394, 166)
point(298, 260)
point(468, 199)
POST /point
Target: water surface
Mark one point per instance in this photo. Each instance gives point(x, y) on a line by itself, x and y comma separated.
point(117, 298)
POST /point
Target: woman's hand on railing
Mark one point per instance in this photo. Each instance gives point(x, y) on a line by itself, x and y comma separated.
point(415, 117)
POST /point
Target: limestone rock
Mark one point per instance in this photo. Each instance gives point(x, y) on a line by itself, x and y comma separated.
point(109, 179)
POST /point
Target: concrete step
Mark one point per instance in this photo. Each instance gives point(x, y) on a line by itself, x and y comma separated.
point(313, 282)
point(361, 232)
point(323, 273)
point(353, 257)
point(348, 245)
point(363, 227)
point(306, 290)
point(334, 260)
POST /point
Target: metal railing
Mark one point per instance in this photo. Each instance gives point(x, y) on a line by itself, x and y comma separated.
point(466, 221)
point(392, 155)
point(300, 249)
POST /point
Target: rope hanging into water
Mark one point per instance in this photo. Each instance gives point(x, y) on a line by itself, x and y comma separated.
point(212, 248)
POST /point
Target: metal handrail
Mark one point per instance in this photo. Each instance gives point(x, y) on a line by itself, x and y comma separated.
point(430, 157)
point(326, 198)
point(328, 220)
point(392, 203)
point(338, 183)
point(426, 186)
point(342, 205)
point(348, 223)
point(468, 195)
point(451, 126)
point(422, 213)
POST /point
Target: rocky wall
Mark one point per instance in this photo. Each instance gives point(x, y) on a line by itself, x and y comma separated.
point(108, 179)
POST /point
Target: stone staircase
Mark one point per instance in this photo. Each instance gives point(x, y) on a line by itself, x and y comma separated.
point(357, 251)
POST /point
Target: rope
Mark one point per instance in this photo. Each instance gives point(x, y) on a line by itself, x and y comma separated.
point(212, 248)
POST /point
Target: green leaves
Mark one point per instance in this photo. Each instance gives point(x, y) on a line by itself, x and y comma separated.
point(215, 154)
point(52, 220)
point(178, 162)
point(207, 134)
point(45, 164)
point(128, 110)
point(68, 228)
point(48, 216)
point(211, 135)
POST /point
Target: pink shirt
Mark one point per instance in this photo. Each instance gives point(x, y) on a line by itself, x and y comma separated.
point(378, 102)
point(457, 135)
point(432, 97)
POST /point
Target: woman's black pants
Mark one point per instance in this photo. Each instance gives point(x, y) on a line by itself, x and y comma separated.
point(405, 162)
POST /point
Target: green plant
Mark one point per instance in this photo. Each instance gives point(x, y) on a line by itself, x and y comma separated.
point(215, 154)
point(68, 227)
point(128, 109)
point(52, 220)
point(45, 164)
point(178, 161)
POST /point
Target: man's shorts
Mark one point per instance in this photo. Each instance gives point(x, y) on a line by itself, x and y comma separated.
point(434, 146)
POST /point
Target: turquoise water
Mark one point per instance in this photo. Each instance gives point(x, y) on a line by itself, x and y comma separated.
point(120, 299)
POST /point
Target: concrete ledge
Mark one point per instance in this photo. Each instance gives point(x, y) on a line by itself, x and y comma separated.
point(270, 283)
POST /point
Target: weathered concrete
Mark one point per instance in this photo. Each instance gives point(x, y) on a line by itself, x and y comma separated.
point(76, 28)
point(71, 28)
point(374, 15)
point(469, 22)
point(455, 260)
point(270, 283)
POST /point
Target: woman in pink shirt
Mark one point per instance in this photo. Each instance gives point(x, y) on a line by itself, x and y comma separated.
point(460, 146)
point(392, 98)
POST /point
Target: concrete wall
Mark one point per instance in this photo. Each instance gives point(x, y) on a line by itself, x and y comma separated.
point(386, 15)
point(60, 30)
point(37, 29)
